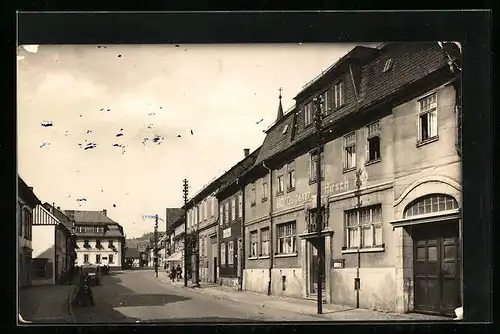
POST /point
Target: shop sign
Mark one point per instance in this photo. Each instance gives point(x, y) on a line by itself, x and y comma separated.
point(329, 188)
point(226, 233)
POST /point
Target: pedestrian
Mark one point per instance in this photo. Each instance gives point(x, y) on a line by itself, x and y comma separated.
point(173, 273)
point(179, 272)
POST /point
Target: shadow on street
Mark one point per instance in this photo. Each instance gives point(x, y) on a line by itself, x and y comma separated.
point(112, 294)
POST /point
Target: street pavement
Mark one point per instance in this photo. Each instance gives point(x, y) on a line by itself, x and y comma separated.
point(137, 296)
point(45, 304)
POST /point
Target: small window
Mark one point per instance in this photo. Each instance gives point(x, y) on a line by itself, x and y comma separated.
point(253, 198)
point(222, 253)
point(98, 244)
point(291, 176)
point(110, 257)
point(110, 244)
point(373, 142)
point(313, 165)
point(86, 244)
point(226, 212)
point(308, 117)
point(85, 258)
point(427, 118)
point(98, 258)
point(230, 252)
point(253, 244)
point(285, 128)
point(350, 151)
point(264, 241)
point(281, 183)
point(233, 209)
point(338, 90)
point(388, 65)
point(221, 214)
point(264, 191)
point(240, 205)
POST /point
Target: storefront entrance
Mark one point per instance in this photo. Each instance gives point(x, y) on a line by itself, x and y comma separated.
point(313, 266)
point(436, 252)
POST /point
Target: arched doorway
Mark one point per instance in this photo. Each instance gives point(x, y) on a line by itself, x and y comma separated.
point(436, 253)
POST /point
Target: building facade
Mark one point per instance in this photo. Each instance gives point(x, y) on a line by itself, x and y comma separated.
point(52, 245)
point(26, 203)
point(390, 173)
point(230, 227)
point(175, 244)
point(99, 239)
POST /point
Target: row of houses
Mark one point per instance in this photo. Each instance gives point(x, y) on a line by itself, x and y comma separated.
point(51, 241)
point(391, 190)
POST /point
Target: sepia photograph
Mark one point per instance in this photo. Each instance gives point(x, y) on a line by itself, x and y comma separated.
point(239, 182)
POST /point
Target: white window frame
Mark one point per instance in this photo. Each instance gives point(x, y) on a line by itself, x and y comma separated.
point(264, 251)
point(226, 212)
point(221, 214)
point(349, 142)
point(254, 243)
point(338, 100)
point(290, 173)
point(281, 181)
point(233, 208)
point(362, 222)
point(230, 252)
point(253, 195)
point(373, 131)
point(430, 111)
point(240, 205)
point(223, 253)
point(326, 105)
point(286, 241)
point(205, 209)
point(213, 202)
point(308, 113)
point(265, 188)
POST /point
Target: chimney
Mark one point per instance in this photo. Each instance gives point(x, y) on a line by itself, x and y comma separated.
point(30, 188)
point(58, 208)
point(52, 207)
point(105, 212)
point(246, 151)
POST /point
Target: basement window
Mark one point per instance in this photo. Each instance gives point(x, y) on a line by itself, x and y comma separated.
point(388, 65)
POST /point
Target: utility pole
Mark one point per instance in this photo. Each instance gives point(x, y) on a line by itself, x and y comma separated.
point(185, 191)
point(156, 245)
point(357, 282)
point(319, 210)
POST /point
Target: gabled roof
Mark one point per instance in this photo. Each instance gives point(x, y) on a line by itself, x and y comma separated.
point(59, 215)
point(412, 61)
point(26, 193)
point(239, 169)
point(89, 217)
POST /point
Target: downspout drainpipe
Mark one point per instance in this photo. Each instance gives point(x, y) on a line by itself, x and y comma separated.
point(241, 257)
point(271, 243)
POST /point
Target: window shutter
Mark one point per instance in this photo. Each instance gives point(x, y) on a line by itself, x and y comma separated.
point(367, 145)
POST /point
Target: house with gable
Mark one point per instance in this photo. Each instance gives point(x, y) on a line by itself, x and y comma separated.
point(391, 185)
point(99, 239)
point(53, 251)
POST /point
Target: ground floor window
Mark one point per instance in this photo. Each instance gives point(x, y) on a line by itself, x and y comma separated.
point(230, 252)
point(363, 227)
point(287, 238)
point(98, 258)
point(253, 244)
point(85, 258)
point(222, 253)
point(264, 241)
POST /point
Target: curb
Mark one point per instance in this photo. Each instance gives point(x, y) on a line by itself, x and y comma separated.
point(70, 303)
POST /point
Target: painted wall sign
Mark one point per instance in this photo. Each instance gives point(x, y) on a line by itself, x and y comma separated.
point(226, 233)
point(329, 188)
point(338, 263)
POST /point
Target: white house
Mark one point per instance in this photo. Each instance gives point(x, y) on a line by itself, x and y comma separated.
point(52, 246)
point(99, 239)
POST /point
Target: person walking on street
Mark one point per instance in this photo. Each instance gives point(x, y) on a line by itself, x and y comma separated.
point(173, 273)
point(179, 272)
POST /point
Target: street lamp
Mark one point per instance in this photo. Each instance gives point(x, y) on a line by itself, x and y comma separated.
point(318, 101)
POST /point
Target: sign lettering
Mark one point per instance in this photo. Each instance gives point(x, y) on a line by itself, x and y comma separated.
point(226, 233)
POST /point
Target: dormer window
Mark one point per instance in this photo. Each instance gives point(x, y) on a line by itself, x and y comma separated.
point(338, 90)
point(308, 117)
point(86, 244)
point(285, 129)
point(98, 244)
point(388, 65)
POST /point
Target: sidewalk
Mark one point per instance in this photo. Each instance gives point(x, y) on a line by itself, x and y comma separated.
point(302, 306)
point(46, 303)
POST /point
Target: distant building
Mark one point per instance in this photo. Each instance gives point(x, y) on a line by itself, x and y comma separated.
point(174, 243)
point(132, 257)
point(99, 239)
point(52, 244)
point(26, 203)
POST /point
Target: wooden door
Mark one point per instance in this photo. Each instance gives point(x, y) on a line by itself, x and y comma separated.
point(313, 265)
point(436, 268)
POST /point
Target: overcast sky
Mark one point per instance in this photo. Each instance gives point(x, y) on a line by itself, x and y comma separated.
point(218, 92)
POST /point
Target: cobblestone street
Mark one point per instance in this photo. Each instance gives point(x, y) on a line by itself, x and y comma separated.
point(138, 296)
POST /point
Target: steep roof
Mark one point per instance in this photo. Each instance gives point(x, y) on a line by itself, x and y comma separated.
point(89, 217)
point(59, 215)
point(26, 193)
point(412, 61)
